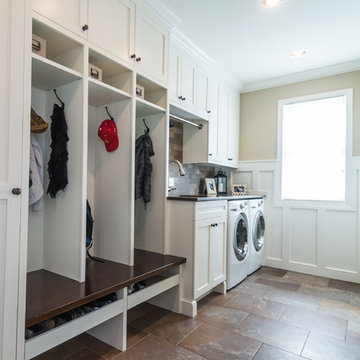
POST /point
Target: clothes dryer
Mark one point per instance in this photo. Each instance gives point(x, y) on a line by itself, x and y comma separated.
point(257, 231)
point(237, 242)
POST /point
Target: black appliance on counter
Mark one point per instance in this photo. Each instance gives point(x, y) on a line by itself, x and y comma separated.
point(221, 183)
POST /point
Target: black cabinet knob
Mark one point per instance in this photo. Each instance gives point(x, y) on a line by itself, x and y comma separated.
point(85, 27)
point(209, 111)
point(16, 191)
point(184, 98)
point(133, 56)
point(138, 59)
point(180, 97)
point(210, 154)
point(230, 159)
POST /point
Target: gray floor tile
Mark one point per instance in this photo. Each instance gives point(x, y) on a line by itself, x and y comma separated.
point(214, 344)
point(326, 292)
point(344, 285)
point(253, 288)
point(320, 347)
point(306, 279)
point(315, 321)
point(280, 335)
point(340, 310)
point(255, 305)
point(267, 352)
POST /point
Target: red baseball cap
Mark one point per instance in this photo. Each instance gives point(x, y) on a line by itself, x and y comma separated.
point(108, 133)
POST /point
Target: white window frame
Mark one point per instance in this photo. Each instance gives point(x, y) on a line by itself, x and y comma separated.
point(349, 202)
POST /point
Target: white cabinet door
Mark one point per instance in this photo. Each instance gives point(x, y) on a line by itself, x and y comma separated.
point(202, 257)
point(151, 46)
point(112, 26)
point(213, 120)
point(188, 82)
point(15, 57)
point(218, 251)
point(175, 75)
point(233, 128)
point(71, 14)
point(202, 96)
point(222, 123)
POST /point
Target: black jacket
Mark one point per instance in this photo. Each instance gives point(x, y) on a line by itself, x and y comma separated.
point(143, 167)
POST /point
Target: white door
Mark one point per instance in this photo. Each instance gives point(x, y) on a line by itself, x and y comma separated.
point(188, 81)
point(202, 257)
point(112, 26)
point(175, 75)
point(223, 120)
point(15, 21)
point(202, 93)
point(213, 120)
point(71, 14)
point(151, 47)
point(233, 128)
point(218, 251)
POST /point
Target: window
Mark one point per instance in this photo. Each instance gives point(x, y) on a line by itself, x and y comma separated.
point(314, 146)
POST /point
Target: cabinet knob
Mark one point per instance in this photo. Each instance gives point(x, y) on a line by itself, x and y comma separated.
point(230, 159)
point(133, 56)
point(180, 97)
point(209, 111)
point(85, 27)
point(138, 59)
point(210, 154)
point(184, 98)
point(16, 191)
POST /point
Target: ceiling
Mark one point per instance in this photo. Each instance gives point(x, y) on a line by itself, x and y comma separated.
point(254, 43)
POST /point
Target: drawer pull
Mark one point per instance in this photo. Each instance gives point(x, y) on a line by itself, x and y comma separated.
point(85, 27)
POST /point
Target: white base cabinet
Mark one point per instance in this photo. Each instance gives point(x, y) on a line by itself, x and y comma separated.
point(197, 231)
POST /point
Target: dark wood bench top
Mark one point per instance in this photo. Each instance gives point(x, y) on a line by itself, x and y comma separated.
point(49, 294)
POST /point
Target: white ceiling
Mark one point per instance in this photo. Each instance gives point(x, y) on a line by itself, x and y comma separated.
point(254, 43)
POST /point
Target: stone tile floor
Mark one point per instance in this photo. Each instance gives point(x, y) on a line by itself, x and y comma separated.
point(272, 315)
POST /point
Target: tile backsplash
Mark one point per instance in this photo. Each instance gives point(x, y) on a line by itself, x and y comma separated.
point(193, 182)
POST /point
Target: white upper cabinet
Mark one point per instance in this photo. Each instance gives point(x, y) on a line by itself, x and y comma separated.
point(202, 95)
point(71, 14)
point(174, 75)
point(151, 46)
point(222, 122)
point(182, 79)
point(213, 120)
point(233, 128)
point(111, 26)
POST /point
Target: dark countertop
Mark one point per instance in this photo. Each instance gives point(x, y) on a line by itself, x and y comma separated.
point(49, 294)
point(212, 198)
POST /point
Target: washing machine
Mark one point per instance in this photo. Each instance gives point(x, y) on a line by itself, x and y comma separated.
point(237, 242)
point(257, 231)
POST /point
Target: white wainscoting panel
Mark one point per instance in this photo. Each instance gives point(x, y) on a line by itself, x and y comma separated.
point(319, 238)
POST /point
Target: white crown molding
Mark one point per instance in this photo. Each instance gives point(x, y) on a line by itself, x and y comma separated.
point(159, 10)
point(173, 22)
point(302, 76)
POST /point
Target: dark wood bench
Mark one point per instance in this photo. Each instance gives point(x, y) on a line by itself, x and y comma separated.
point(49, 294)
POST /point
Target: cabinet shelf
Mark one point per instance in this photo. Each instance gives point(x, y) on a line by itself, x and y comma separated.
point(102, 94)
point(146, 108)
point(47, 74)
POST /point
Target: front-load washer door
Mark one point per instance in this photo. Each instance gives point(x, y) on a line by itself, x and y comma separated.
point(259, 231)
point(241, 244)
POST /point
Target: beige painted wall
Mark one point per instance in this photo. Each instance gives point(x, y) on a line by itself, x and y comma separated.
point(259, 113)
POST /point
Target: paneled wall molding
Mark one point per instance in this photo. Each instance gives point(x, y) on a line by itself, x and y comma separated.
point(319, 238)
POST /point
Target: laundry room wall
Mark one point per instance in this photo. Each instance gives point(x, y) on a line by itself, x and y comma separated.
point(311, 237)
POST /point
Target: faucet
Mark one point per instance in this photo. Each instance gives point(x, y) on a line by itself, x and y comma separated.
point(181, 169)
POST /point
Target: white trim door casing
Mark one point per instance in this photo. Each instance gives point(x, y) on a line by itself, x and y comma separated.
point(15, 33)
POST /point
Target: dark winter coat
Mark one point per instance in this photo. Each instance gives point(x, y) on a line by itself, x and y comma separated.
point(143, 167)
point(57, 165)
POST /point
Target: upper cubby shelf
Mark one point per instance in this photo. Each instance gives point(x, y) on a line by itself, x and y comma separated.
point(146, 108)
point(102, 94)
point(59, 48)
point(113, 77)
point(47, 74)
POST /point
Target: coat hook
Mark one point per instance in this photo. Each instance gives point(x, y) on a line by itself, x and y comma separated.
point(106, 108)
point(147, 128)
point(62, 104)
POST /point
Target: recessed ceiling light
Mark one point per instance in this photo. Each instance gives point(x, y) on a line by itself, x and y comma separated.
point(298, 53)
point(271, 3)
